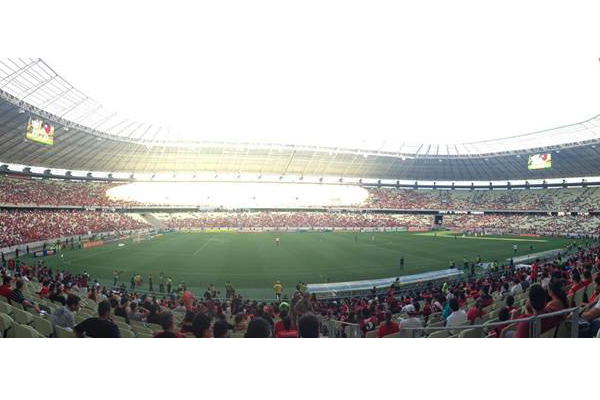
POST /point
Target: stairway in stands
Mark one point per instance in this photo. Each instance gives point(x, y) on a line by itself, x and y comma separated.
point(155, 222)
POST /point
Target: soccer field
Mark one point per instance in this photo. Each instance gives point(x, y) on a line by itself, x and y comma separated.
point(253, 262)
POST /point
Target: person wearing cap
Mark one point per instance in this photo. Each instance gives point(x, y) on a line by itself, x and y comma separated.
point(278, 288)
point(412, 321)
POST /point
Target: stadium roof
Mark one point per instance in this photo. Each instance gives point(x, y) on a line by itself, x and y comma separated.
point(88, 137)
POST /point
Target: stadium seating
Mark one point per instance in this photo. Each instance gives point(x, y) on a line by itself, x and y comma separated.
point(18, 227)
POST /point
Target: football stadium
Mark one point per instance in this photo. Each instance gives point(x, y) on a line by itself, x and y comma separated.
point(109, 228)
point(289, 216)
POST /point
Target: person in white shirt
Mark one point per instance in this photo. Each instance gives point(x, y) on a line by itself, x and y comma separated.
point(517, 288)
point(545, 280)
point(458, 316)
point(411, 322)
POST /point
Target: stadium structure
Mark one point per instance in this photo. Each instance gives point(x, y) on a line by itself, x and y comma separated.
point(357, 240)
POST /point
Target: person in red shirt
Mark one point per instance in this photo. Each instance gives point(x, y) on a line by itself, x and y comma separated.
point(594, 297)
point(577, 284)
point(503, 315)
point(476, 312)
point(188, 300)
point(485, 298)
point(5, 289)
point(388, 326)
point(368, 321)
point(587, 278)
point(45, 291)
point(535, 306)
point(286, 330)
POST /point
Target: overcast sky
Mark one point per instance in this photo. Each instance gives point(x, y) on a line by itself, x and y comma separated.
point(348, 73)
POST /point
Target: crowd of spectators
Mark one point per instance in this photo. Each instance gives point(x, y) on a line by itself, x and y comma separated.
point(38, 192)
point(292, 219)
point(54, 192)
point(19, 227)
point(473, 223)
point(574, 199)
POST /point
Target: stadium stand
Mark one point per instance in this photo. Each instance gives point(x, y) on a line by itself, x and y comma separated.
point(19, 227)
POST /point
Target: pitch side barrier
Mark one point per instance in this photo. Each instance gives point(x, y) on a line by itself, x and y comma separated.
point(266, 229)
point(332, 289)
point(567, 328)
point(107, 237)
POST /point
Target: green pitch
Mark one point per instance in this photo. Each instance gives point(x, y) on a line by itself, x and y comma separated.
point(253, 262)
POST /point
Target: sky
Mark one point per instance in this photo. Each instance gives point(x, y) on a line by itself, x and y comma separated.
point(333, 73)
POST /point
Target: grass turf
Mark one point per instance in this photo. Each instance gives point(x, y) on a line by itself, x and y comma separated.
point(253, 262)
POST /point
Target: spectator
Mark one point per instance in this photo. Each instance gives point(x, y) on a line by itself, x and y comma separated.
point(258, 328)
point(239, 323)
point(412, 321)
point(63, 316)
point(388, 327)
point(535, 306)
point(308, 326)
point(476, 311)
point(167, 324)
point(99, 327)
point(591, 314)
point(458, 316)
point(558, 301)
point(516, 289)
point(503, 315)
point(201, 326)
point(286, 330)
point(18, 297)
point(121, 309)
point(186, 324)
point(5, 289)
point(221, 329)
point(135, 313)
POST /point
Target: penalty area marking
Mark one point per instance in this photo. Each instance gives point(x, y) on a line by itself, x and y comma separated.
point(219, 241)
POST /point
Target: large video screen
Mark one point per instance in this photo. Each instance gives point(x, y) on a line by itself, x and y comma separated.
point(540, 161)
point(40, 132)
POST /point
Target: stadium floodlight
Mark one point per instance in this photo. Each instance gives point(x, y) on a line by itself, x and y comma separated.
point(21, 111)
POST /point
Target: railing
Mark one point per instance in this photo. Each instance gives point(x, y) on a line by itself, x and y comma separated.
point(338, 329)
